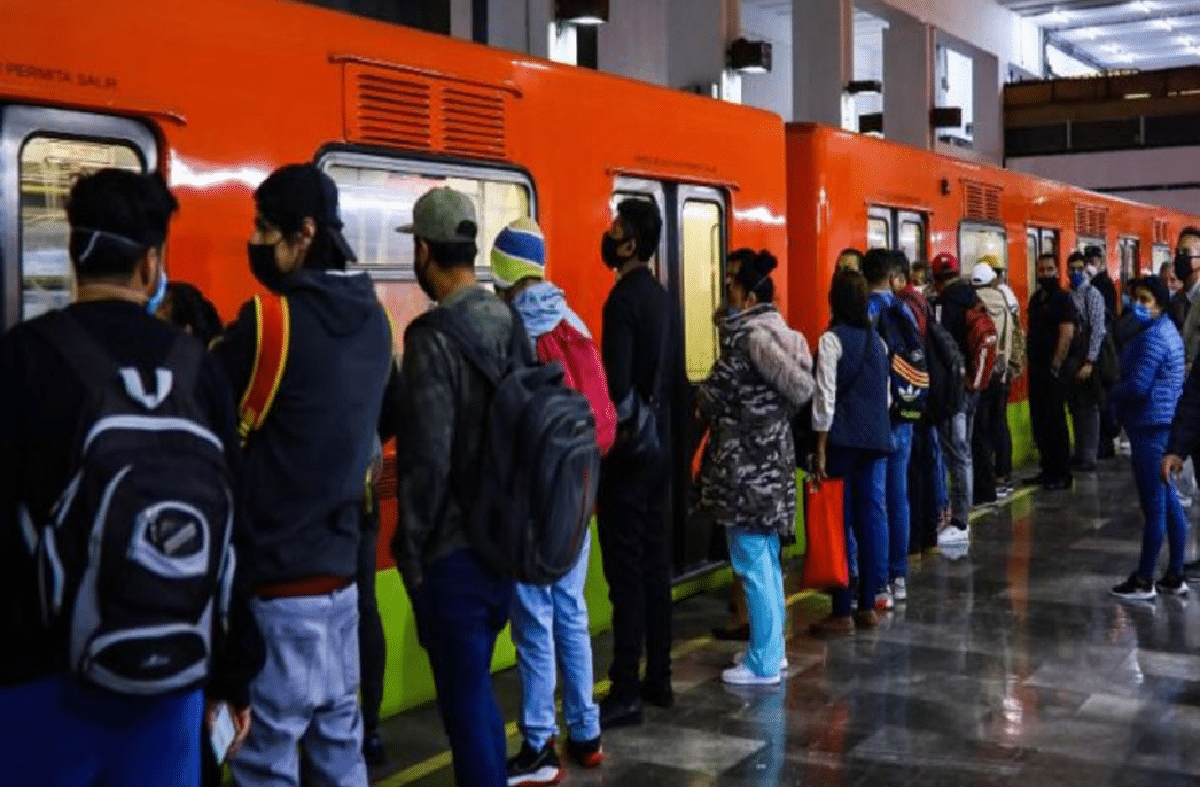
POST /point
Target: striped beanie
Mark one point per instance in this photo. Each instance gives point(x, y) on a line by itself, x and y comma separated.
point(519, 252)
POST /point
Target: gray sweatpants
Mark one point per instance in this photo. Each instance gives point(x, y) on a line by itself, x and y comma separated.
point(306, 694)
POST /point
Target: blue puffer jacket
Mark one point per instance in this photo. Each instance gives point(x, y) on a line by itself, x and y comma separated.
point(1151, 376)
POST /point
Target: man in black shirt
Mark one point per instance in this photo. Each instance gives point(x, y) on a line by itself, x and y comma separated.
point(58, 730)
point(1051, 326)
point(636, 343)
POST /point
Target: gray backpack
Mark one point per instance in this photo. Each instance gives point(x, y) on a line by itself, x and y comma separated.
point(136, 558)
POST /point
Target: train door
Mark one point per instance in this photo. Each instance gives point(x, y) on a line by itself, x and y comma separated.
point(690, 263)
point(1039, 242)
point(1130, 258)
point(898, 229)
point(42, 152)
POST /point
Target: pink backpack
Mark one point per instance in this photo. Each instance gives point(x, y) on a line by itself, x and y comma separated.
point(584, 372)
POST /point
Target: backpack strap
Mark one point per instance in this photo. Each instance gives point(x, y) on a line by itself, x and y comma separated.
point(450, 325)
point(272, 321)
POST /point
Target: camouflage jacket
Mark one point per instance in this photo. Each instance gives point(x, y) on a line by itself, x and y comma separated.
point(764, 374)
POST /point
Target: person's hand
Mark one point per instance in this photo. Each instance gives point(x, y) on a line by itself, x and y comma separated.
point(1085, 372)
point(1171, 465)
point(819, 467)
point(241, 723)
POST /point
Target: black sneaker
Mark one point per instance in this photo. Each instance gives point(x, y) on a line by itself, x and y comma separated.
point(1173, 585)
point(588, 755)
point(373, 752)
point(1136, 588)
point(533, 768)
point(1192, 569)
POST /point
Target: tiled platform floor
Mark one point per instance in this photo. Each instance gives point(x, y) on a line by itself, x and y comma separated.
point(1010, 666)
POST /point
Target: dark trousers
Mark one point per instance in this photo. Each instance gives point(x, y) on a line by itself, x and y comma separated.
point(1109, 428)
point(987, 417)
point(1048, 416)
point(923, 510)
point(634, 549)
point(460, 609)
point(372, 652)
point(1002, 437)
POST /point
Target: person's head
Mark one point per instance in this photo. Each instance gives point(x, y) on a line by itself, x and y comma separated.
point(918, 274)
point(1077, 269)
point(296, 225)
point(752, 283)
point(877, 267)
point(444, 250)
point(1167, 273)
point(984, 275)
point(1094, 256)
point(633, 235)
point(518, 257)
point(187, 308)
point(119, 223)
point(1047, 271)
point(1187, 256)
point(849, 259)
point(848, 299)
point(944, 268)
point(1150, 297)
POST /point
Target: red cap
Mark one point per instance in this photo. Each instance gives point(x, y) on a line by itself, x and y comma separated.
point(944, 264)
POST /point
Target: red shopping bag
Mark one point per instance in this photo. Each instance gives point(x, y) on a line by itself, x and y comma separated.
point(825, 564)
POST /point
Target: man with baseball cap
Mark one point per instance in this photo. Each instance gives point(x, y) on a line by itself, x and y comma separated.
point(303, 479)
point(459, 605)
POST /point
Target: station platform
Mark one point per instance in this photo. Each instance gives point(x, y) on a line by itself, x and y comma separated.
point(1011, 665)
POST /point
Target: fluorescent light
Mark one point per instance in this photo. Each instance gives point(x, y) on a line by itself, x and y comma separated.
point(585, 20)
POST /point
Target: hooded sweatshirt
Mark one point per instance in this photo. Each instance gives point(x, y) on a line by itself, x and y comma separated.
point(302, 480)
point(953, 300)
point(542, 306)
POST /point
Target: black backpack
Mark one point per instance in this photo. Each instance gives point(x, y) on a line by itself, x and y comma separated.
point(947, 374)
point(529, 514)
point(136, 560)
point(907, 372)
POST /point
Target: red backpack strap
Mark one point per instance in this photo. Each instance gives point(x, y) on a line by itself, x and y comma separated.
point(272, 321)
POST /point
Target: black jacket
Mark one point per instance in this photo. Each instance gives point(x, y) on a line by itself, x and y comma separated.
point(1108, 290)
point(953, 301)
point(303, 477)
point(1185, 429)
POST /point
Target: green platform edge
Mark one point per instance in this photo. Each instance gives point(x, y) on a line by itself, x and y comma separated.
point(408, 681)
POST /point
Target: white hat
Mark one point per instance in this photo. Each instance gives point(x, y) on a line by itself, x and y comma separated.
point(982, 275)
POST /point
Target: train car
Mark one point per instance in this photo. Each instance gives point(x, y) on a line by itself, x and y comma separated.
point(850, 190)
point(217, 94)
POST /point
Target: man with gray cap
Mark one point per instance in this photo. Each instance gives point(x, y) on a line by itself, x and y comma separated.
point(460, 605)
point(306, 455)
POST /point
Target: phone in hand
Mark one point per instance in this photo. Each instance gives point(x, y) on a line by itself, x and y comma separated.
point(223, 733)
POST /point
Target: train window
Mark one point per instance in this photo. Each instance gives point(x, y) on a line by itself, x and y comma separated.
point(878, 232)
point(620, 195)
point(1031, 256)
point(376, 196)
point(1162, 255)
point(1049, 242)
point(912, 239)
point(49, 166)
point(976, 241)
point(701, 284)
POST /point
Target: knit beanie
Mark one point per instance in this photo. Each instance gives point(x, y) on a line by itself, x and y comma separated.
point(518, 253)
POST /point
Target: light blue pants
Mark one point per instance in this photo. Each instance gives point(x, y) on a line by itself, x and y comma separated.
point(549, 624)
point(306, 694)
point(956, 444)
point(754, 556)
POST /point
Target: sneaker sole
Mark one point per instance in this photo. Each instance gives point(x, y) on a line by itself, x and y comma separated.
point(754, 681)
point(1135, 596)
point(546, 776)
point(1183, 592)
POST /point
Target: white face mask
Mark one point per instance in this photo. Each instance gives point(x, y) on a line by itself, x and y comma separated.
point(1091, 271)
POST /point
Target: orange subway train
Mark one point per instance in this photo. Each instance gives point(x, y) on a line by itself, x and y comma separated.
point(216, 94)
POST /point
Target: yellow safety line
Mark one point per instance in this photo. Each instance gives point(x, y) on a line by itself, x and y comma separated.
point(442, 760)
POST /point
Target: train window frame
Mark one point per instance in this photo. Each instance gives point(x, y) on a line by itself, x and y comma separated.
point(1161, 253)
point(626, 187)
point(894, 221)
point(1130, 268)
point(886, 222)
point(973, 226)
point(399, 274)
point(1040, 235)
point(18, 125)
point(905, 218)
point(702, 195)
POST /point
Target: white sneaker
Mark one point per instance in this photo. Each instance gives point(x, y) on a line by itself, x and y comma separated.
point(952, 534)
point(899, 589)
point(740, 656)
point(741, 676)
point(884, 601)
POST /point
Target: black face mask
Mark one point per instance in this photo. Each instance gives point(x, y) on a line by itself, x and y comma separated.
point(263, 266)
point(1183, 266)
point(1048, 284)
point(608, 251)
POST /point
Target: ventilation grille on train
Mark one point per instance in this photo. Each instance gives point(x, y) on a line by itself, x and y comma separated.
point(1091, 222)
point(982, 202)
point(394, 108)
point(1160, 231)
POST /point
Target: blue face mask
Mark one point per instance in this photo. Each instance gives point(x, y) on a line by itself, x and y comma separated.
point(159, 294)
point(1077, 279)
point(1142, 313)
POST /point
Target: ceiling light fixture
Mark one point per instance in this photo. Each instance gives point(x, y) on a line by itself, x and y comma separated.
point(749, 57)
point(581, 12)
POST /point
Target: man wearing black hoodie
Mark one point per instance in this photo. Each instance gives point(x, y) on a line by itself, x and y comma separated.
point(954, 297)
point(302, 483)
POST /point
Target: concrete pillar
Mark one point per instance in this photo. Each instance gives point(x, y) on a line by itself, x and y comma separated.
point(695, 35)
point(907, 80)
point(822, 58)
point(635, 41)
point(460, 19)
point(520, 25)
point(988, 101)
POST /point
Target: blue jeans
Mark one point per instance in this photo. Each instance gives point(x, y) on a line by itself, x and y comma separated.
point(1160, 503)
point(893, 559)
point(865, 511)
point(956, 439)
point(460, 609)
point(941, 492)
point(754, 556)
point(549, 623)
point(57, 732)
